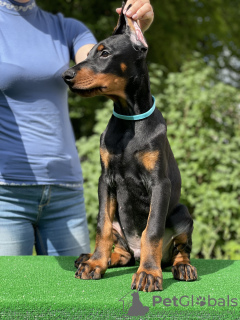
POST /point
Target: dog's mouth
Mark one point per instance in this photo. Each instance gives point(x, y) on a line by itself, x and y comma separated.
point(88, 92)
point(84, 83)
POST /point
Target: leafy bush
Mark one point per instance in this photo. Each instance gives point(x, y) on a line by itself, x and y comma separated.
point(203, 118)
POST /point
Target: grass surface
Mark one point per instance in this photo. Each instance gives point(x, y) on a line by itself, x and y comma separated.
point(40, 287)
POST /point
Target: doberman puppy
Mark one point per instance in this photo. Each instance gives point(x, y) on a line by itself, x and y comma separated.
point(139, 187)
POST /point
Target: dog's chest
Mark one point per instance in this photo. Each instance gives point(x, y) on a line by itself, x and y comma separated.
point(126, 170)
point(123, 164)
point(126, 158)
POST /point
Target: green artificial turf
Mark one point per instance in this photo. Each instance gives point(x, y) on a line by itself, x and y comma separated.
point(43, 287)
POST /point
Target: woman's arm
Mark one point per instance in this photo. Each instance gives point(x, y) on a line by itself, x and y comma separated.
point(82, 53)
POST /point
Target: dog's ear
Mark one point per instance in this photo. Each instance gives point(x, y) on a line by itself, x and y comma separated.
point(121, 25)
point(130, 27)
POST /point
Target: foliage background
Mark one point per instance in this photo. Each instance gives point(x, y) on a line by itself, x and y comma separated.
point(194, 63)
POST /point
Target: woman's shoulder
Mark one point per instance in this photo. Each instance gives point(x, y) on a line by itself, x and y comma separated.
point(67, 23)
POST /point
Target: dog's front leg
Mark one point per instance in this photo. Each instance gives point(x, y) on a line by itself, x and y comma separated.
point(149, 274)
point(96, 266)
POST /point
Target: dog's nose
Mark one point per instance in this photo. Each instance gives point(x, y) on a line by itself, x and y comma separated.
point(68, 75)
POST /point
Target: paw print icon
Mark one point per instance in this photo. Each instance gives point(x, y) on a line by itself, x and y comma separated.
point(201, 301)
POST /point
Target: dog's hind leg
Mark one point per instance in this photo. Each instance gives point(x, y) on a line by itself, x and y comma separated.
point(181, 223)
point(122, 255)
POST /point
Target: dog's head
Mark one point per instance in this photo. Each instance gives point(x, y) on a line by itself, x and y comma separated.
point(111, 64)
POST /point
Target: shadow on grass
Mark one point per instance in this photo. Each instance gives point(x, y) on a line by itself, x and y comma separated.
point(66, 263)
point(204, 267)
point(118, 272)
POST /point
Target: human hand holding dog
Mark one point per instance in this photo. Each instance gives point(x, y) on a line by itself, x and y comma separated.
point(140, 10)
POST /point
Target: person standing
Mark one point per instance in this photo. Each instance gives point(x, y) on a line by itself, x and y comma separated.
point(41, 184)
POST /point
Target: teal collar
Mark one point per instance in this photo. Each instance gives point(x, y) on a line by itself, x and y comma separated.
point(137, 116)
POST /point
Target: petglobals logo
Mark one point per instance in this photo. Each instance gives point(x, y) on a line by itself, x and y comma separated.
point(133, 306)
point(186, 301)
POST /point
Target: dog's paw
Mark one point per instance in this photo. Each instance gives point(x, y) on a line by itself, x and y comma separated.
point(82, 258)
point(91, 269)
point(185, 272)
point(147, 280)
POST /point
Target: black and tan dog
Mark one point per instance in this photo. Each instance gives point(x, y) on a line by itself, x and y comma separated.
point(139, 188)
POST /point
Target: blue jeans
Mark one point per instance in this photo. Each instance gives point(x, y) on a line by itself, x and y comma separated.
point(51, 217)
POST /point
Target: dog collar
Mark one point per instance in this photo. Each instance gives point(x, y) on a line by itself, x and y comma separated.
point(136, 116)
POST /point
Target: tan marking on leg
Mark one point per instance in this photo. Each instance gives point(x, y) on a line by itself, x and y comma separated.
point(150, 266)
point(181, 257)
point(148, 159)
point(120, 255)
point(150, 250)
point(104, 240)
point(150, 263)
point(105, 157)
point(96, 266)
point(181, 268)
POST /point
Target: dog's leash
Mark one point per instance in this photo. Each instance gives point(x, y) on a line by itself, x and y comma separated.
point(137, 116)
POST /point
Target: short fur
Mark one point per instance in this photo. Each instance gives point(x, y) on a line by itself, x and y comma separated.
point(140, 184)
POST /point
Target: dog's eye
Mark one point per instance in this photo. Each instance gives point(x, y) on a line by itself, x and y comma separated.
point(104, 54)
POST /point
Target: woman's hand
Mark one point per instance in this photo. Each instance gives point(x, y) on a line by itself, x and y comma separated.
point(140, 10)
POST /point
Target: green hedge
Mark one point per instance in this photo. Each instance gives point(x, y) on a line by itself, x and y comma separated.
point(203, 117)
